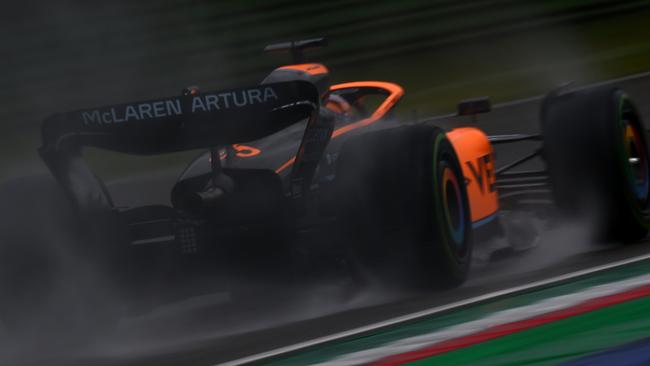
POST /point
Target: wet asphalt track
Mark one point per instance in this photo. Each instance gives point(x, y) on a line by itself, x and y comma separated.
point(211, 330)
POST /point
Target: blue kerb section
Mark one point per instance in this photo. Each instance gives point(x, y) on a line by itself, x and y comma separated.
point(631, 354)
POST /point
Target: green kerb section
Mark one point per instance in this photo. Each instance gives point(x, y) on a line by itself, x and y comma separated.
point(557, 342)
point(433, 323)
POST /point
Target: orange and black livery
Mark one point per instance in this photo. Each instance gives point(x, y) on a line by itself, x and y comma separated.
point(297, 162)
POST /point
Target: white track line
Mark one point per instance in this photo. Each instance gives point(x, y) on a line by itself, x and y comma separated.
point(433, 311)
point(490, 296)
point(491, 320)
point(595, 85)
point(540, 97)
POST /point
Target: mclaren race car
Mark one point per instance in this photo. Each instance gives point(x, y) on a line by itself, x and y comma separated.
point(291, 162)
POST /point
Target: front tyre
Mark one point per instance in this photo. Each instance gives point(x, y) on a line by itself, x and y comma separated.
point(596, 150)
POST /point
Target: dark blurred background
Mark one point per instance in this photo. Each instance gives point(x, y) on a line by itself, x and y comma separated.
point(67, 55)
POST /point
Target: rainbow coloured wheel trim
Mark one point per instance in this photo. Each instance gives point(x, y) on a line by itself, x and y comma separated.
point(637, 169)
point(453, 204)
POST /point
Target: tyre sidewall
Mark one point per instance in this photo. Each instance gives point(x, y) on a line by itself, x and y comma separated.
point(447, 247)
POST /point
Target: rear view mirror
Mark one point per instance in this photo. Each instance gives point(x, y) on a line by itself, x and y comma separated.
point(470, 107)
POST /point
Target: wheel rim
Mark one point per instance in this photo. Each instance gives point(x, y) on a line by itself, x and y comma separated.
point(453, 205)
point(636, 161)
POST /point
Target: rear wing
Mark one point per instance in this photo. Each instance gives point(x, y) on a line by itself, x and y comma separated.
point(167, 125)
point(185, 122)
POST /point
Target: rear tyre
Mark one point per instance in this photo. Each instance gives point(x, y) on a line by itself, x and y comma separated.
point(404, 205)
point(595, 147)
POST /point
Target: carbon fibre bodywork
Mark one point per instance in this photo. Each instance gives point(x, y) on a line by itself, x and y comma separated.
point(345, 104)
point(268, 177)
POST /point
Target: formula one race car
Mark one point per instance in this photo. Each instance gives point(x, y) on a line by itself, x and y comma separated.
point(290, 162)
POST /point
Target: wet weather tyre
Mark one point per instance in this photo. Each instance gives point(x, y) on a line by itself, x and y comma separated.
point(405, 205)
point(595, 147)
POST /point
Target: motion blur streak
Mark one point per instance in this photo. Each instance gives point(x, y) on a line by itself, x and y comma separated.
point(67, 55)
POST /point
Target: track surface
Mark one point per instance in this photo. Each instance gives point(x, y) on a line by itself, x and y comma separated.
point(212, 330)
